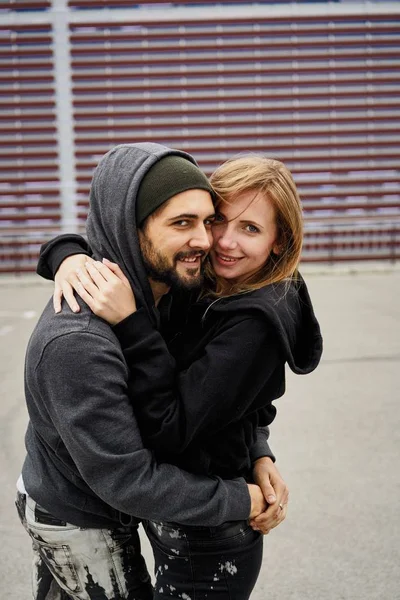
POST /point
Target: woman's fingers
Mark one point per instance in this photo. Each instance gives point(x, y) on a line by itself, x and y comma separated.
point(86, 297)
point(99, 276)
point(57, 297)
point(116, 269)
point(86, 281)
point(272, 517)
point(65, 281)
point(68, 288)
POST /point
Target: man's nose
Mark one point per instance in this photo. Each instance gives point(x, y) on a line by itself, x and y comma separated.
point(202, 239)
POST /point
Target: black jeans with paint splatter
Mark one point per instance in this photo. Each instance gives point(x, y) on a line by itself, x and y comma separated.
point(205, 563)
point(71, 563)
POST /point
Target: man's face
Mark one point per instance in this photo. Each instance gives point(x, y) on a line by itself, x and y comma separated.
point(176, 238)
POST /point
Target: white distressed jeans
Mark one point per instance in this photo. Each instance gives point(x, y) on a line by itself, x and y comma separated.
point(83, 564)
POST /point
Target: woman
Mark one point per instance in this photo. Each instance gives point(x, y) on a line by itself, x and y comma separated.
point(230, 346)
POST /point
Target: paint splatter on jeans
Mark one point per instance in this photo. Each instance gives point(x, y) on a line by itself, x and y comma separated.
point(205, 563)
point(83, 564)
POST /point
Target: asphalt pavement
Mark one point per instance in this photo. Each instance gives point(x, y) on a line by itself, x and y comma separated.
point(336, 437)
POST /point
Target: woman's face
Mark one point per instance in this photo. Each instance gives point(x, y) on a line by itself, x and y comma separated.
point(244, 233)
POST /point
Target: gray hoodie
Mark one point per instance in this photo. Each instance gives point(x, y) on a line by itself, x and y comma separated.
point(85, 462)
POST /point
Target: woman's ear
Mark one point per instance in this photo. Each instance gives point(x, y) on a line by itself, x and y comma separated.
point(276, 249)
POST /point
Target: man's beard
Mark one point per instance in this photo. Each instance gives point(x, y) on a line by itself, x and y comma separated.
point(159, 269)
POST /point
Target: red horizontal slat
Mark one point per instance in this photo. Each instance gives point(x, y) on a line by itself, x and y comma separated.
point(30, 217)
point(349, 258)
point(24, 178)
point(20, 65)
point(26, 193)
point(352, 232)
point(21, 242)
point(259, 94)
point(18, 28)
point(16, 104)
point(20, 78)
point(367, 48)
point(18, 116)
point(52, 141)
point(165, 108)
point(114, 33)
point(110, 120)
point(5, 269)
point(109, 85)
point(223, 130)
point(217, 62)
point(12, 49)
point(107, 60)
point(104, 70)
point(17, 256)
point(30, 170)
point(36, 228)
point(362, 23)
point(176, 137)
point(26, 130)
point(21, 5)
point(21, 154)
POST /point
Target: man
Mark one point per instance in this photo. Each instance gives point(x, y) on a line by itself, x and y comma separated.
point(86, 470)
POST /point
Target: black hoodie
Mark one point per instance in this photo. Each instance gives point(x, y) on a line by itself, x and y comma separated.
point(231, 356)
point(85, 461)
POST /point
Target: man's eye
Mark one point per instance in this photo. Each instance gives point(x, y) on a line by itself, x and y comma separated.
point(181, 223)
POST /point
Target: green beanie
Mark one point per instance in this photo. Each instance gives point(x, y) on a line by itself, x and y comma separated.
point(169, 176)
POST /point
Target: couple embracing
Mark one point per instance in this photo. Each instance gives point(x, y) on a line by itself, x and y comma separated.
point(150, 393)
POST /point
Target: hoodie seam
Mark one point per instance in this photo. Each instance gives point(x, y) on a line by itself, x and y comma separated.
point(68, 333)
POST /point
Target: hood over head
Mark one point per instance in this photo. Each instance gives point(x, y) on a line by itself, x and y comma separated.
point(287, 307)
point(111, 225)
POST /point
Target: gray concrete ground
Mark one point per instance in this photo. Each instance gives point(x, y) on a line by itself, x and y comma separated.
point(336, 437)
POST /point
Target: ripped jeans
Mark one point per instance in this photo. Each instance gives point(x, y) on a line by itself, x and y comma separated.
point(205, 563)
point(83, 564)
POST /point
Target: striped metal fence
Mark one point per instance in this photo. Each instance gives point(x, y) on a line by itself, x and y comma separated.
point(313, 84)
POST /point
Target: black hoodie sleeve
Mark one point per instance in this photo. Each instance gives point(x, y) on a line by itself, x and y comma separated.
point(88, 404)
point(52, 253)
point(219, 388)
point(261, 446)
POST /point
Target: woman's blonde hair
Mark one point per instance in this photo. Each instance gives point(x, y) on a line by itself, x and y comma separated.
point(259, 174)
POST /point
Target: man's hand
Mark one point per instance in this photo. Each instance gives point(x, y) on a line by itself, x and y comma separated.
point(258, 503)
point(276, 493)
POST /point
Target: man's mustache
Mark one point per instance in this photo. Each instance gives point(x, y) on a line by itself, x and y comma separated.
point(190, 254)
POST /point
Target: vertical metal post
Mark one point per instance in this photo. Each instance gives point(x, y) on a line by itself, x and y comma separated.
point(64, 114)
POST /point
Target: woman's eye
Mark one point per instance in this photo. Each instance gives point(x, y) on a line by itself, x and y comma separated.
point(252, 228)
